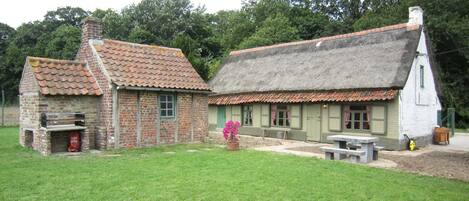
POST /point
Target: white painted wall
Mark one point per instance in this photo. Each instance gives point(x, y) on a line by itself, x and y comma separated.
point(418, 106)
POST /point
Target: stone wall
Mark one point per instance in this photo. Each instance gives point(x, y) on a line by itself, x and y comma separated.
point(85, 104)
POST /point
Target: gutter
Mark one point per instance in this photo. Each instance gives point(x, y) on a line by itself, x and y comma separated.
point(163, 90)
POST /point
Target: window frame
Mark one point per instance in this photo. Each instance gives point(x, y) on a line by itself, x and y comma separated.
point(422, 76)
point(166, 109)
point(247, 110)
point(285, 117)
point(361, 119)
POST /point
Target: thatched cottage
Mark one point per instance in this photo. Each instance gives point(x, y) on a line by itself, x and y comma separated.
point(379, 82)
point(115, 94)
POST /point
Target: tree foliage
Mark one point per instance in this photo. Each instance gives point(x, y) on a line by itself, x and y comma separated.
point(207, 38)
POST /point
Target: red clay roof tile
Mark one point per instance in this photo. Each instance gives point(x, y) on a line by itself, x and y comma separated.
point(62, 77)
point(137, 65)
point(304, 97)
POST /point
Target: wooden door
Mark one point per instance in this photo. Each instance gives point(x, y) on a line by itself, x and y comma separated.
point(221, 116)
point(313, 122)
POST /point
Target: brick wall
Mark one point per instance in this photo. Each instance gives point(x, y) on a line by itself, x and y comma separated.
point(149, 115)
point(127, 118)
point(140, 107)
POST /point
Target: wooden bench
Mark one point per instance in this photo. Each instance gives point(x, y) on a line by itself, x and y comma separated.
point(331, 151)
point(62, 119)
point(376, 149)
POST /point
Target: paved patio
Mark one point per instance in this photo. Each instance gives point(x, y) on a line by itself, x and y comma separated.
point(449, 161)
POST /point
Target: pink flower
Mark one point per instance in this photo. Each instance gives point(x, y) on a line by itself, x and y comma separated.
point(230, 132)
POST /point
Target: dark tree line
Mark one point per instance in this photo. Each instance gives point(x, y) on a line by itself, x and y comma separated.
point(206, 38)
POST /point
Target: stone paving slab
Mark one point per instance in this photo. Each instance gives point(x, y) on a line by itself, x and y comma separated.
point(284, 149)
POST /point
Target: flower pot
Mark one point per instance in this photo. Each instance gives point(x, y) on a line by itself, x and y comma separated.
point(232, 146)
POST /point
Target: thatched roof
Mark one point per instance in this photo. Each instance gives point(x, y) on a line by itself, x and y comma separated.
point(371, 59)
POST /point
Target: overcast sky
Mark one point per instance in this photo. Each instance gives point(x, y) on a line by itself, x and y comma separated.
point(16, 12)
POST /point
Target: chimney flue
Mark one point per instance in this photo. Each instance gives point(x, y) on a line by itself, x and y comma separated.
point(91, 29)
point(415, 15)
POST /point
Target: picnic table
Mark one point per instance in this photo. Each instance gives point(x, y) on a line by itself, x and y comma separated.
point(359, 148)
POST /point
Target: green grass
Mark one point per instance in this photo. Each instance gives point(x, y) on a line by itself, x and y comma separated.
point(461, 130)
point(150, 174)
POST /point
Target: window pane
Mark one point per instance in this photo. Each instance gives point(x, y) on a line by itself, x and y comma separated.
point(170, 113)
point(366, 125)
point(169, 98)
point(280, 122)
point(356, 125)
point(348, 124)
point(356, 116)
point(365, 116)
point(281, 107)
point(163, 113)
point(162, 98)
point(170, 105)
point(288, 122)
point(163, 105)
point(357, 107)
point(280, 114)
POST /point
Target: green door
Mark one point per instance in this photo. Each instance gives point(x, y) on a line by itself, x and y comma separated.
point(221, 116)
point(313, 122)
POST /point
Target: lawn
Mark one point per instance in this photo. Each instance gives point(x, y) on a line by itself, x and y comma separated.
point(211, 173)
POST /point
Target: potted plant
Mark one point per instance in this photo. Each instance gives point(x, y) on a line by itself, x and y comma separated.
point(230, 132)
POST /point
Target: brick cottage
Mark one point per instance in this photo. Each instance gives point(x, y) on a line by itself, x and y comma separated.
point(121, 94)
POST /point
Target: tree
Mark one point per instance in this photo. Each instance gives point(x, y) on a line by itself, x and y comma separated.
point(275, 29)
point(63, 43)
point(65, 15)
point(140, 35)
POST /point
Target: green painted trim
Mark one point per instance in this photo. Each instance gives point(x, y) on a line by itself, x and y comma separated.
point(385, 120)
point(300, 116)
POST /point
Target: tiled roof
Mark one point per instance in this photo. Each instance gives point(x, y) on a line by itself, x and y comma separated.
point(137, 65)
point(304, 97)
point(62, 77)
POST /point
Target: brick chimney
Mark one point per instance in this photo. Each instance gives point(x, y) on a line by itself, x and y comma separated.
point(91, 29)
point(415, 15)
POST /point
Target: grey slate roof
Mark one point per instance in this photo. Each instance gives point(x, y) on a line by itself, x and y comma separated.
point(376, 58)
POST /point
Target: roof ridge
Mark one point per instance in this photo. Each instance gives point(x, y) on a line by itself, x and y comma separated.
point(347, 35)
point(145, 45)
point(55, 60)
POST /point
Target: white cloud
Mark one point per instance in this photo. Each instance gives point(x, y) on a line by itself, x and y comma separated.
point(16, 12)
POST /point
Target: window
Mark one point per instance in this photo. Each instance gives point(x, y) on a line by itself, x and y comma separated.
point(280, 116)
point(422, 78)
point(357, 117)
point(167, 105)
point(247, 115)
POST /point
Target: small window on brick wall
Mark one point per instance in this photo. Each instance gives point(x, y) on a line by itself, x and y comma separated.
point(167, 106)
